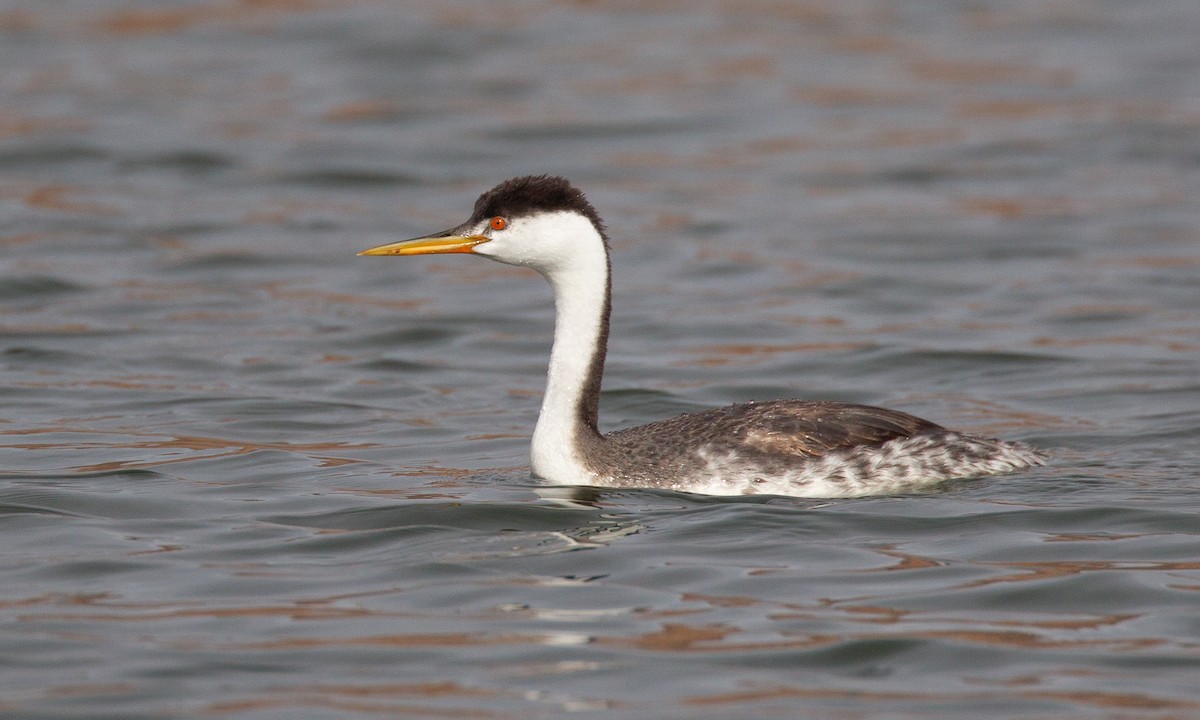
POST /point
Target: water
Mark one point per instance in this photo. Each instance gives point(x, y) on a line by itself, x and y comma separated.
point(247, 474)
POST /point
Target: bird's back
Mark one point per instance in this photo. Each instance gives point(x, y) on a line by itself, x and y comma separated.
point(797, 447)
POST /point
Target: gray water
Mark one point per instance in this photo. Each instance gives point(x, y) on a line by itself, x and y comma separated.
point(247, 474)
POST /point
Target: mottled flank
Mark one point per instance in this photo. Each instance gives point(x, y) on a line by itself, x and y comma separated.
point(799, 448)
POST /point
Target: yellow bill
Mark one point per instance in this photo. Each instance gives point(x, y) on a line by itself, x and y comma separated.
point(429, 245)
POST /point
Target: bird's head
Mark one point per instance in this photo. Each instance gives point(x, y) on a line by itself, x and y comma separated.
point(537, 221)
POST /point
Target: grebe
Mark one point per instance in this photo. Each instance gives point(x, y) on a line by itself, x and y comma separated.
point(780, 447)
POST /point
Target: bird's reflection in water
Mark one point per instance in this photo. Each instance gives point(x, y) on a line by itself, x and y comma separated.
point(576, 496)
point(608, 527)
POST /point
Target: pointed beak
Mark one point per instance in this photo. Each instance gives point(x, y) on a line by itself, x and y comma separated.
point(443, 242)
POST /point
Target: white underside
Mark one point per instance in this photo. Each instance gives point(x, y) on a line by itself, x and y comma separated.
point(898, 466)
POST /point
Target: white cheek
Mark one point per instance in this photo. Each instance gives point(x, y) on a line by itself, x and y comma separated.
point(544, 242)
point(507, 248)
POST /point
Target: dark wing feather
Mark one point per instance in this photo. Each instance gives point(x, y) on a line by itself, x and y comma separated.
point(795, 428)
point(816, 429)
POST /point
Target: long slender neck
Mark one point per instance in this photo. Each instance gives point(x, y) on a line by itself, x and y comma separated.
point(569, 420)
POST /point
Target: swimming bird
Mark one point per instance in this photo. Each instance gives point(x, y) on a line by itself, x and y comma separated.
point(783, 447)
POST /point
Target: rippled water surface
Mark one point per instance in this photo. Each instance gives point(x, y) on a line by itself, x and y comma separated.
point(244, 473)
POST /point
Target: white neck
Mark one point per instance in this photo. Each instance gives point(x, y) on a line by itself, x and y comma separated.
point(581, 289)
point(569, 251)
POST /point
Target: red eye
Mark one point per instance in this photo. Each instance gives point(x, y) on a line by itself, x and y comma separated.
point(499, 223)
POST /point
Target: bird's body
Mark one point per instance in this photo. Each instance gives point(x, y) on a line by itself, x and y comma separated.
point(783, 447)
